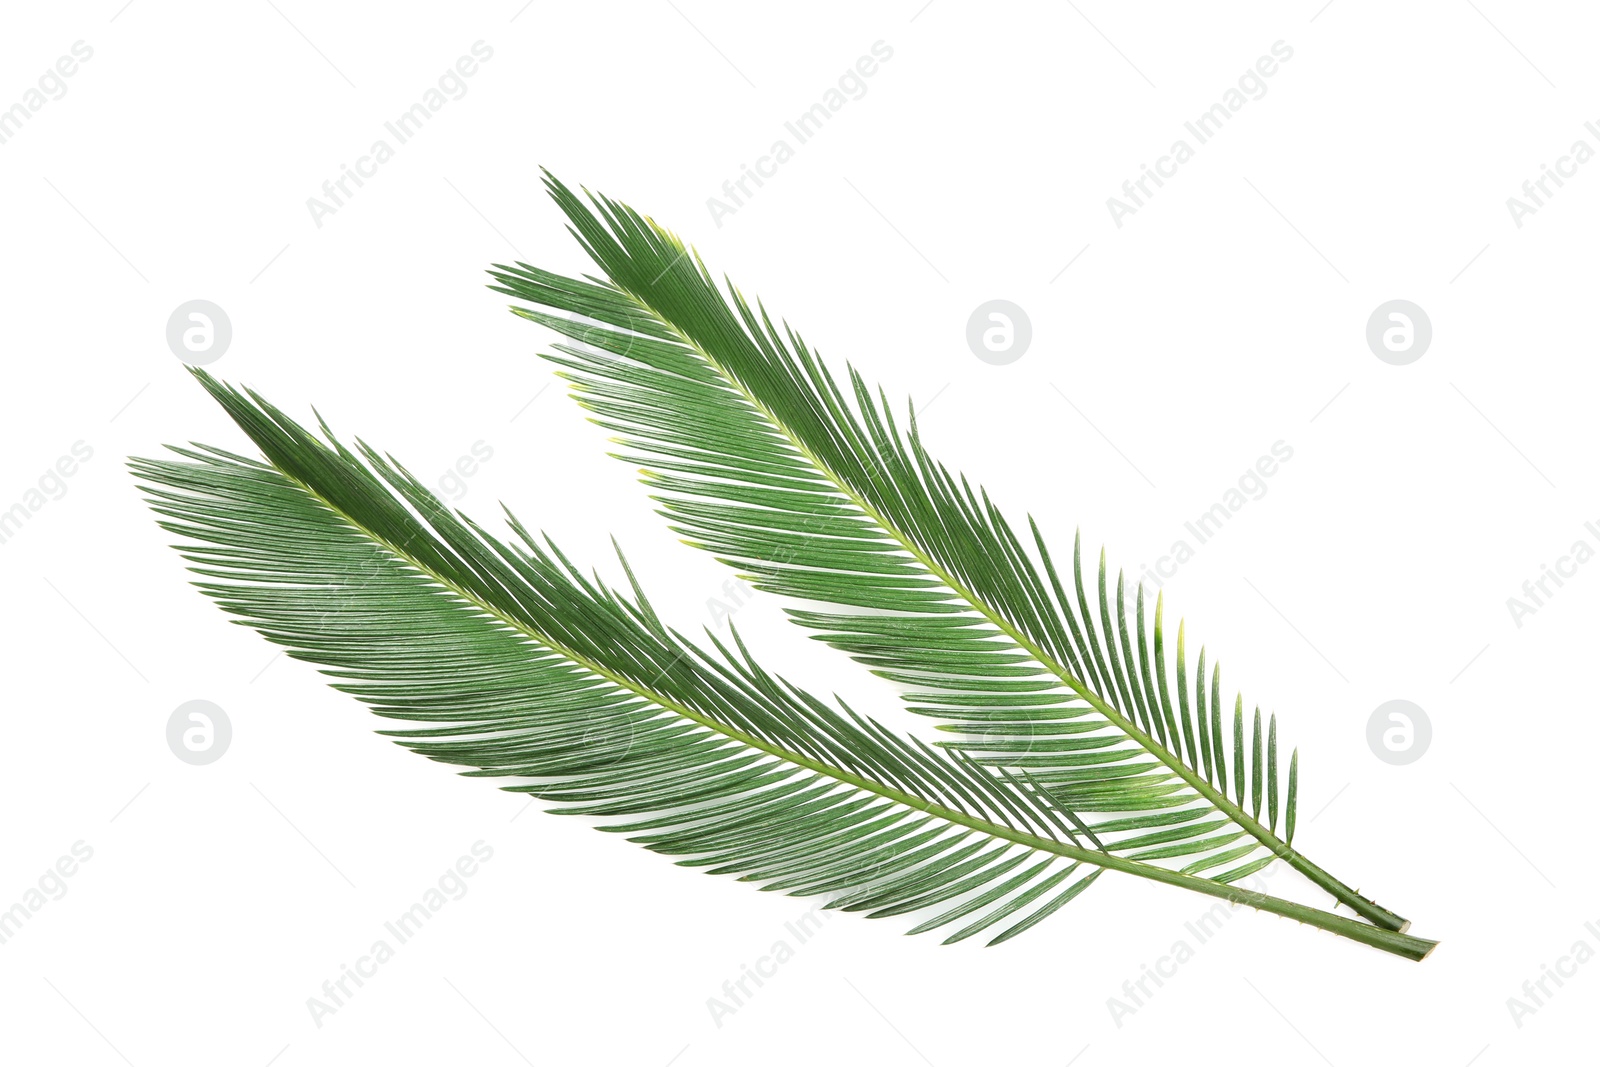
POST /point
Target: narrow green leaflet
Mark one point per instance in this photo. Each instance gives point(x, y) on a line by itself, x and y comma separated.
point(503, 657)
point(812, 490)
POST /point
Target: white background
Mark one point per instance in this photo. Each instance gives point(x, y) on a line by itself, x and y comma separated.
point(1227, 314)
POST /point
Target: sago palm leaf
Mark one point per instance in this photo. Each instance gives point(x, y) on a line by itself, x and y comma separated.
point(508, 660)
point(813, 491)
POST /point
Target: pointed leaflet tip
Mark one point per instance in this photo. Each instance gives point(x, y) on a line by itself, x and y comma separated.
point(1238, 749)
point(1289, 803)
point(1255, 768)
point(1272, 773)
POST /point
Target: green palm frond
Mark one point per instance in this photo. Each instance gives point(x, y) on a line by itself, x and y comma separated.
point(506, 659)
point(812, 490)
